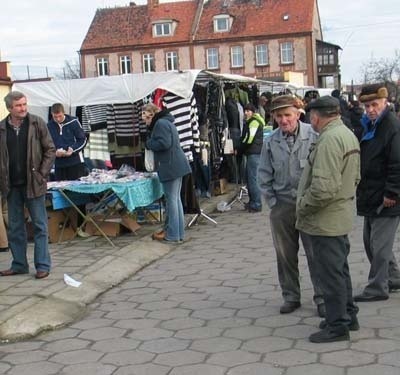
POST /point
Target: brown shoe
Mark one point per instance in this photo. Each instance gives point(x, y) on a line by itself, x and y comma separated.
point(11, 272)
point(41, 274)
point(159, 236)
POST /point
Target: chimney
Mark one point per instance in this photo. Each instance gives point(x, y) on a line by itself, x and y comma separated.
point(152, 3)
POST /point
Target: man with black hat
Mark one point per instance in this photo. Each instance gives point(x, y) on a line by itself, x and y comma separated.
point(250, 146)
point(378, 194)
point(325, 212)
point(283, 157)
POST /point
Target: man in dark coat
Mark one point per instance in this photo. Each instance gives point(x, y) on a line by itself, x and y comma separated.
point(378, 194)
point(27, 154)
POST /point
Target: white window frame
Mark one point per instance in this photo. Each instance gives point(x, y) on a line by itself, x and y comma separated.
point(171, 61)
point(261, 51)
point(237, 60)
point(102, 66)
point(125, 64)
point(287, 56)
point(162, 29)
point(221, 23)
point(148, 63)
point(212, 58)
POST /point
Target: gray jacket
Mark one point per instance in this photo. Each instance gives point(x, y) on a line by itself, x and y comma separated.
point(279, 170)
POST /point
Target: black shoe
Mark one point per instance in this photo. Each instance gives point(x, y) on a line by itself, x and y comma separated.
point(4, 249)
point(353, 325)
point(329, 335)
point(393, 286)
point(321, 310)
point(369, 298)
point(289, 306)
point(254, 209)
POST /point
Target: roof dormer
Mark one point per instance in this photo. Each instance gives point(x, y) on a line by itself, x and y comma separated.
point(164, 28)
point(222, 23)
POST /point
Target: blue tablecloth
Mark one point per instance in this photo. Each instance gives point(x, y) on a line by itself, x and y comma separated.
point(139, 193)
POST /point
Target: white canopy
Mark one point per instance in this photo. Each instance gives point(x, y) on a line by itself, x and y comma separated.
point(107, 89)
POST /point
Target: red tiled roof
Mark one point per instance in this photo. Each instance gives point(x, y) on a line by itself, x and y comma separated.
point(257, 18)
point(131, 25)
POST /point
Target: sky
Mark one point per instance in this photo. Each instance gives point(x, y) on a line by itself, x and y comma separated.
point(45, 33)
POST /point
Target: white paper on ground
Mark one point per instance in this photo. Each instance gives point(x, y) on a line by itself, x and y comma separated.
point(71, 282)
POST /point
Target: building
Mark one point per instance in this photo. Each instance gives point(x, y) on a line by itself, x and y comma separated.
point(257, 38)
point(5, 86)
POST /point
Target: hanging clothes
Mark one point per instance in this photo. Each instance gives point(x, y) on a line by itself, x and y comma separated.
point(186, 121)
point(94, 117)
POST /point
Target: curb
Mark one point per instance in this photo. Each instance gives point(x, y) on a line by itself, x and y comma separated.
point(40, 312)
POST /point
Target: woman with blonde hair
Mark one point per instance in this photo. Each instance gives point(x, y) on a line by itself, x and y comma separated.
point(171, 165)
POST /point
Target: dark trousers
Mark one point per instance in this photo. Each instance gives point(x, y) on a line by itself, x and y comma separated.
point(286, 242)
point(379, 236)
point(333, 271)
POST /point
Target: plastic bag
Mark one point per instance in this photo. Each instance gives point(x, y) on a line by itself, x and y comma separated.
point(149, 160)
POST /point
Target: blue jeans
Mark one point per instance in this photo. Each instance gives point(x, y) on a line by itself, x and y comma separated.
point(175, 220)
point(251, 171)
point(17, 237)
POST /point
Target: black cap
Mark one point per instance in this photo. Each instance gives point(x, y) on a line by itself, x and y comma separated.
point(324, 102)
point(250, 107)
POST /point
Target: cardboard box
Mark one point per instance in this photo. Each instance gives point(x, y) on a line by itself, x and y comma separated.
point(110, 228)
point(59, 219)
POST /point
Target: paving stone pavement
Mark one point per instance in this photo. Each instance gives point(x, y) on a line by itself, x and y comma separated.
point(211, 307)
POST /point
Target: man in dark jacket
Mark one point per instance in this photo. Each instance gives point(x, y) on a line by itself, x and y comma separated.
point(70, 140)
point(378, 194)
point(27, 154)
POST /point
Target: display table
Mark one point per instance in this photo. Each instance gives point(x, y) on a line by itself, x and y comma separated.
point(134, 194)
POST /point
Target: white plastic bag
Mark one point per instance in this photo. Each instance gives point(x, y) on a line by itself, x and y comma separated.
point(149, 160)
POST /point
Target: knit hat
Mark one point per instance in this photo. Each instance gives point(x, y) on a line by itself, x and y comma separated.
point(372, 92)
point(250, 107)
point(285, 101)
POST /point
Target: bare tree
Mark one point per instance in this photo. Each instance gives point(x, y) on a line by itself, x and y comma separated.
point(71, 70)
point(382, 70)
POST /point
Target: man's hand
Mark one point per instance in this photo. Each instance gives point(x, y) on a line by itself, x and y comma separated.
point(387, 202)
point(60, 153)
point(69, 152)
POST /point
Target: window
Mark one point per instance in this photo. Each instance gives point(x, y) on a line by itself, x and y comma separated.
point(148, 63)
point(162, 29)
point(261, 54)
point(172, 61)
point(125, 64)
point(287, 53)
point(221, 23)
point(326, 56)
point(212, 58)
point(102, 66)
point(236, 57)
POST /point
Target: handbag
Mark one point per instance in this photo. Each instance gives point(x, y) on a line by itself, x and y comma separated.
point(149, 160)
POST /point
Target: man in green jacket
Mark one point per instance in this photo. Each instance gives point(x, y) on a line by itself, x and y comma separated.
point(325, 211)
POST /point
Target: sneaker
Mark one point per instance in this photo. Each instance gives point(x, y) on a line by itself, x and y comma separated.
point(329, 335)
point(81, 233)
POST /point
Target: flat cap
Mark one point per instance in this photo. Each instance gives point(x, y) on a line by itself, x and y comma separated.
point(372, 92)
point(284, 101)
point(324, 102)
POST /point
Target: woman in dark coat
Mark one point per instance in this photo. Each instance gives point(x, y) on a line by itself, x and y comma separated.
point(171, 165)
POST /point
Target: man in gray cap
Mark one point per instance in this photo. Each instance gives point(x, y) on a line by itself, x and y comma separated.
point(282, 160)
point(325, 212)
point(378, 194)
